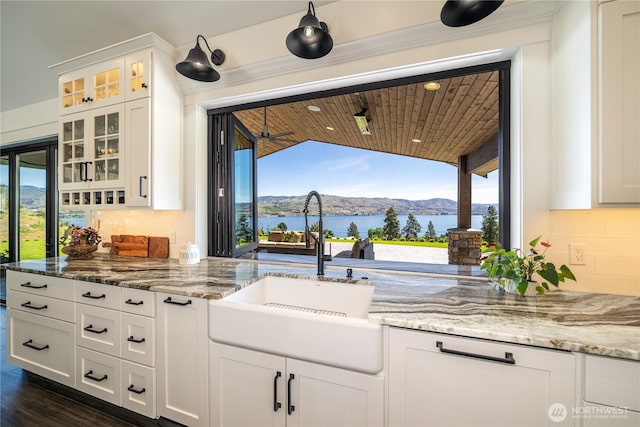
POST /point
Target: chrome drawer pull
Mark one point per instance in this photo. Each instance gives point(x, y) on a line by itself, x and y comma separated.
point(508, 357)
point(132, 339)
point(170, 301)
point(33, 307)
point(132, 302)
point(96, 379)
point(95, 331)
point(135, 390)
point(88, 295)
point(29, 285)
point(33, 346)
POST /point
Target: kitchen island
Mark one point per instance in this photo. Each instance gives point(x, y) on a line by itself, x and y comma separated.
point(600, 324)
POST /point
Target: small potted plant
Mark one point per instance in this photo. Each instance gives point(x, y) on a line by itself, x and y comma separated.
point(80, 242)
point(516, 270)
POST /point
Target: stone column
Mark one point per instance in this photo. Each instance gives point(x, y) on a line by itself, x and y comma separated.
point(465, 246)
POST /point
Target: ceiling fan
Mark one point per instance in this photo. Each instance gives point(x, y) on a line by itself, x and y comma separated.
point(265, 136)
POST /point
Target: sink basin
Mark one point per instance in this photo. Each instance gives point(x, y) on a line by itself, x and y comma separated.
point(315, 320)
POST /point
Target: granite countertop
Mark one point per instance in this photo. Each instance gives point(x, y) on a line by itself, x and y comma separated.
point(591, 323)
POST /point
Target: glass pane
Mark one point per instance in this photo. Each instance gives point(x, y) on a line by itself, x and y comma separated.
point(77, 169)
point(78, 151)
point(100, 170)
point(67, 88)
point(97, 197)
point(65, 198)
point(75, 198)
point(99, 126)
point(113, 123)
point(67, 101)
point(77, 98)
point(86, 198)
point(99, 147)
point(100, 79)
point(109, 197)
point(67, 152)
point(243, 184)
point(100, 93)
point(79, 129)
point(67, 131)
point(78, 85)
point(67, 173)
point(114, 169)
point(113, 90)
point(32, 188)
point(113, 144)
point(113, 75)
point(134, 69)
point(121, 197)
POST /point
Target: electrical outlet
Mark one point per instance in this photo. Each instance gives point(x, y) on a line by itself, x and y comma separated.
point(172, 237)
point(577, 254)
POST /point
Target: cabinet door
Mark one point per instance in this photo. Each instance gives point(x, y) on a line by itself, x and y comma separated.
point(139, 388)
point(183, 371)
point(41, 345)
point(73, 91)
point(138, 339)
point(98, 329)
point(326, 396)
point(248, 388)
point(107, 83)
point(99, 375)
point(429, 385)
point(138, 75)
point(619, 92)
point(106, 140)
point(138, 154)
point(73, 153)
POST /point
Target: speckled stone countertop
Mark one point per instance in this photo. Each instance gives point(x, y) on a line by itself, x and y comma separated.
point(591, 323)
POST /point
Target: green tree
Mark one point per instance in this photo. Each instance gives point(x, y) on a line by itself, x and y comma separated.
point(412, 228)
point(376, 233)
point(391, 225)
point(315, 227)
point(431, 231)
point(244, 233)
point(352, 231)
point(490, 230)
point(282, 227)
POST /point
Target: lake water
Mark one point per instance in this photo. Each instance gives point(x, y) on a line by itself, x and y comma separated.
point(340, 224)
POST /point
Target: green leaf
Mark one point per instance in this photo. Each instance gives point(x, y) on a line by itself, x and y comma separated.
point(540, 290)
point(534, 242)
point(567, 273)
point(550, 274)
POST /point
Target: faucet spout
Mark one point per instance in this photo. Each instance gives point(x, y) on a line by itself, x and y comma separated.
point(320, 239)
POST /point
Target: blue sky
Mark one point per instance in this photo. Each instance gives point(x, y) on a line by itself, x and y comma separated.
point(351, 172)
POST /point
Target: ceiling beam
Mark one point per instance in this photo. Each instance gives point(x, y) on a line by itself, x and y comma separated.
point(482, 155)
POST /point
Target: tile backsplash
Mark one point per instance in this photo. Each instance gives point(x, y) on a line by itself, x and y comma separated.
point(612, 248)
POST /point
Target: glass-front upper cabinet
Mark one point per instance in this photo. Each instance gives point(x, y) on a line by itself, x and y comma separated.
point(92, 87)
point(138, 75)
point(91, 153)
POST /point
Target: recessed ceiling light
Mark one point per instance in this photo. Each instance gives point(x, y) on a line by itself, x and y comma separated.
point(432, 85)
point(313, 108)
point(416, 140)
point(330, 128)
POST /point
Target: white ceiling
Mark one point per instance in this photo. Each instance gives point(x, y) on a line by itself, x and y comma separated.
point(37, 34)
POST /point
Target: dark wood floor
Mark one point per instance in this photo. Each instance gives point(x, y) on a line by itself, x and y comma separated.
point(25, 402)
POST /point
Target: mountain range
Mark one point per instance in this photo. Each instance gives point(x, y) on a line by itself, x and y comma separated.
point(338, 205)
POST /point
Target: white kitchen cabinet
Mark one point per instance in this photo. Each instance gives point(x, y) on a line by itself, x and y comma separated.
point(91, 87)
point(442, 380)
point(255, 388)
point(137, 164)
point(182, 359)
point(40, 325)
point(619, 102)
point(610, 391)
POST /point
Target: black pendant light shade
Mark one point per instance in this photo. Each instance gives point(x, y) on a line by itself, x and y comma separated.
point(197, 66)
point(311, 39)
point(458, 13)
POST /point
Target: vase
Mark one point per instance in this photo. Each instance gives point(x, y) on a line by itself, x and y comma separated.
point(509, 286)
point(83, 250)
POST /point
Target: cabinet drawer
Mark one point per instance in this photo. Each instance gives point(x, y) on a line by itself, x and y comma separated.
point(98, 329)
point(613, 382)
point(138, 301)
point(98, 294)
point(55, 287)
point(41, 345)
point(139, 388)
point(138, 338)
point(99, 375)
point(43, 306)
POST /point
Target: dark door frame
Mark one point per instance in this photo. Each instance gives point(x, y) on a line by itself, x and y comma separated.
point(504, 128)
